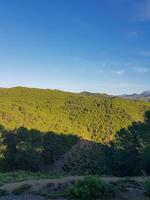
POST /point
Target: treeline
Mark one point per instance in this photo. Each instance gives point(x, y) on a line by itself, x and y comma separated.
point(131, 149)
point(24, 149)
point(127, 155)
point(118, 131)
point(94, 117)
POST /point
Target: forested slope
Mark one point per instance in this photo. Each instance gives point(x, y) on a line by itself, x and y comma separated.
point(92, 117)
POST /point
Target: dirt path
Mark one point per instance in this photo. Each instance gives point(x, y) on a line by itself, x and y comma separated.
point(39, 184)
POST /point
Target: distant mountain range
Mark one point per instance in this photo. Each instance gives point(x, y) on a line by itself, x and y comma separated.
point(143, 96)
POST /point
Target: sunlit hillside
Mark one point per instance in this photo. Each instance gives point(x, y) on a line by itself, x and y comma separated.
point(92, 117)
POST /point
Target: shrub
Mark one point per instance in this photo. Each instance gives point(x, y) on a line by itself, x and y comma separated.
point(147, 188)
point(90, 188)
point(21, 189)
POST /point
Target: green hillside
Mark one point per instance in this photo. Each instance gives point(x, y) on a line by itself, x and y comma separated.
point(92, 117)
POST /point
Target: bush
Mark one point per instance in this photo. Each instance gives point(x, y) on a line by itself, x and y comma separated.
point(90, 188)
point(21, 189)
point(147, 188)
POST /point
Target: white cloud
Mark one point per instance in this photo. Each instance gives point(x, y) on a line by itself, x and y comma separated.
point(120, 72)
point(141, 69)
point(99, 71)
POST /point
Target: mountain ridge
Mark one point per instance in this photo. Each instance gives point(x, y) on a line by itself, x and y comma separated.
point(145, 95)
point(95, 117)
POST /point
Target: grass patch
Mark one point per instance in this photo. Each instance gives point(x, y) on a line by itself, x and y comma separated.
point(19, 176)
point(21, 189)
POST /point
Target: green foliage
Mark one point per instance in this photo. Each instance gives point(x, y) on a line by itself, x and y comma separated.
point(23, 149)
point(131, 149)
point(127, 155)
point(55, 146)
point(96, 117)
point(88, 161)
point(147, 118)
point(19, 176)
point(90, 188)
point(30, 149)
point(147, 188)
point(21, 189)
point(39, 125)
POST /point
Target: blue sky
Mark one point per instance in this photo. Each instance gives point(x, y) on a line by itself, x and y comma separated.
point(76, 45)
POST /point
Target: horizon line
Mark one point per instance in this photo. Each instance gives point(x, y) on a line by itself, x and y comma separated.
point(69, 91)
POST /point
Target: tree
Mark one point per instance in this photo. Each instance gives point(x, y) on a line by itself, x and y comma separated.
point(126, 158)
point(145, 153)
point(10, 143)
point(147, 118)
point(29, 149)
point(23, 149)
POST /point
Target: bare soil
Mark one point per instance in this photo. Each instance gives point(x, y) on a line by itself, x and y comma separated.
point(134, 187)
